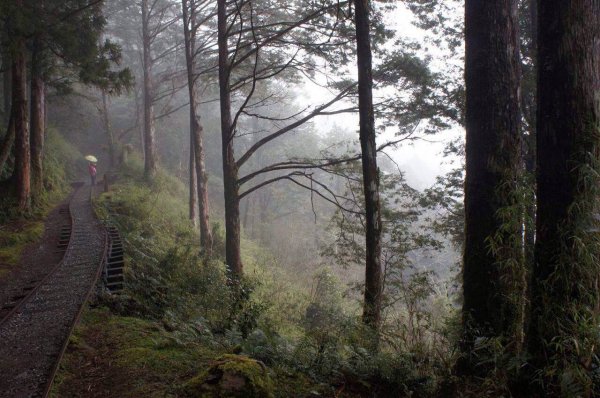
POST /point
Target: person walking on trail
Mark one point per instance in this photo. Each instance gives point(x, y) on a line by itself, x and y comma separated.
point(92, 171)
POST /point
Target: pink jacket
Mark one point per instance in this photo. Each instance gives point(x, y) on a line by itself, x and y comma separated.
point(92, 169)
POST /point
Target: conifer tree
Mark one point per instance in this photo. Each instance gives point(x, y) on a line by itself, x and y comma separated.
point(198, 178)
point(373, 276)
point(52, 42)
point(493, 265)
point(565, 300)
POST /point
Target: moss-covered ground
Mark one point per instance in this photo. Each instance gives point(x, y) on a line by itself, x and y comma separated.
point(15, 236)
point(115, 356)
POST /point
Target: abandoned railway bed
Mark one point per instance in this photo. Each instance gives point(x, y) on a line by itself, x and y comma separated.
point(35, 326)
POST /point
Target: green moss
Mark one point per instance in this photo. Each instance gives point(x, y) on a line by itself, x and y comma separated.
point(232, 376)
point(135, 358)
point(15, 238)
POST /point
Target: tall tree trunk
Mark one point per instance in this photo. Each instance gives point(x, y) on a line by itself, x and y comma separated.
point(8, 141)
point(565, 308)
point(150, 155)
point(206, 239)
point(110, 137)
point(19, 100)
point(193, 197)
point(196, 132)
point(38, 119)
point(233, 256)
point(493, 273)
point(7, 83)
point(373, 277)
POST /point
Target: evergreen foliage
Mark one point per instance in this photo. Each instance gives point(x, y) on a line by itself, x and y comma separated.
point(276, 306)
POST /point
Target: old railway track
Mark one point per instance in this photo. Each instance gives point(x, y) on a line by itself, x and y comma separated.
point(35, 329)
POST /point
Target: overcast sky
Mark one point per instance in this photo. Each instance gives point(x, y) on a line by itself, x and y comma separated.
point(421, 161)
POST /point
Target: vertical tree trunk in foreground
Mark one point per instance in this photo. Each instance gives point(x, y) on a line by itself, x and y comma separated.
point(19, 100)
point(373, 277)
point(7, 141)
point(38, 119)
point(563, 334)
point(493, 277)
point(196, 132)
point(233, 256)
point(150, 155)
point(6, 84)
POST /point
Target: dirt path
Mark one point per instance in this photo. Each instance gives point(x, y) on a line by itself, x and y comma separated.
point(32, 339)
point(37, 258)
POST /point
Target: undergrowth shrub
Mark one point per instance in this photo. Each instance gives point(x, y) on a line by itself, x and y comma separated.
point(167, 277)
point(267, 315)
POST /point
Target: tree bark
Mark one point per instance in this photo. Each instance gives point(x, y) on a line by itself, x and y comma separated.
point(493, 274)
point(206, 239)
point(38, 119)
point(150, 155)
point(8, 141)
point(197, 132)
point(7, 83)
point(233, 256)
point(565, 295)
point(19, 100)
point(373, 278)
point(193, 197)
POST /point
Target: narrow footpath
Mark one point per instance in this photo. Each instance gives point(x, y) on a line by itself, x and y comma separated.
point(33, 337)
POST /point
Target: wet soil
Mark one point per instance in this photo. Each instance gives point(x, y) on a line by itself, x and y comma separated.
point(37, 260)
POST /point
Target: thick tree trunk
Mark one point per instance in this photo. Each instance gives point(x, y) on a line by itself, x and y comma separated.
point(373, 277)
point(38, 120)
point(493, 273)
point(565, 297)
point(22, 149)
point(196, 133)
point(7, 83)
point(7, 142)
point(150, 155)
point(233, 256)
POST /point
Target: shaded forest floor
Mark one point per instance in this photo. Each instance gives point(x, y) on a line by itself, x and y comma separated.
point(28, 248)
point(114, 356)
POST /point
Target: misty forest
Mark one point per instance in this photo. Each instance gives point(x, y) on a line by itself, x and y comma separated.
point(301, 198)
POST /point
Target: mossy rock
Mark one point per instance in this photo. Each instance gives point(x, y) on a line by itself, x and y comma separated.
point(232, 376)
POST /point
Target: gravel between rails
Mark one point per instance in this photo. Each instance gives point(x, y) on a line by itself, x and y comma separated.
point(32, 339)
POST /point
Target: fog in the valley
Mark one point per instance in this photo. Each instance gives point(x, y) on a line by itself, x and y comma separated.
point(297, 225)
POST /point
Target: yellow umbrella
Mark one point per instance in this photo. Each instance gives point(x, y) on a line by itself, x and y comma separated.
point(91, 158)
